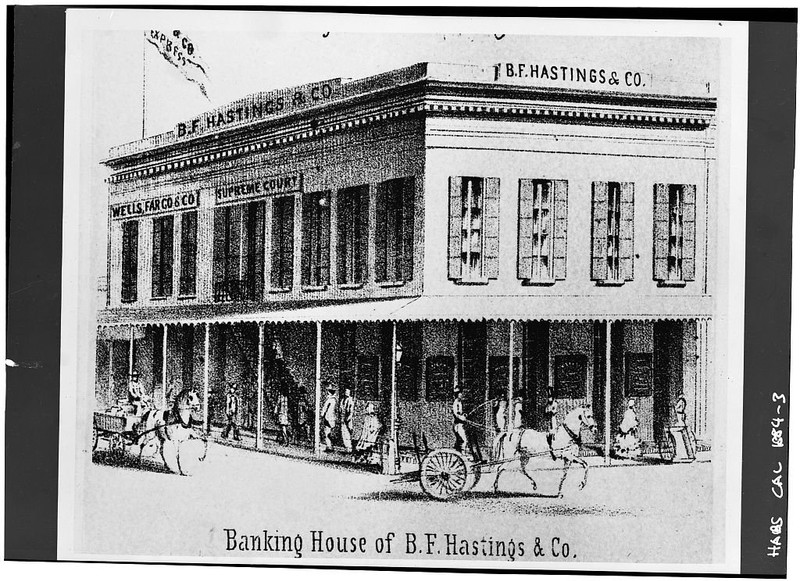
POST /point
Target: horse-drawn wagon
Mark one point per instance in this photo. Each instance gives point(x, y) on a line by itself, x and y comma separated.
point(170, 433)
point(444, 473)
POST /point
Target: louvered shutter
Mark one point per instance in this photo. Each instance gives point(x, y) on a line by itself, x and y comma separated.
point(325, 244)
point(277, 240)
point(259, 249)
point(409, 203)
point(599, 230)
point(344, 217)
point(626, 231)
point(560, 229)
point(155, 278)
point(525, 230)
point(381, 228)
point(660, 231)
point(306, 235)
point(234, 245)
point(219, 247)
point(491, 226)
point(689, 232)
point(168, 256)
point(454, 237)
point(363, 234)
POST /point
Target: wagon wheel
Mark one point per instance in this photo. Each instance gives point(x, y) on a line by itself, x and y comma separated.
point(666, 446)
point(443, 474)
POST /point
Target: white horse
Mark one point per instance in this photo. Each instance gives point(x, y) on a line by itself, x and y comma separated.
point(168, 430)
point(528, 444)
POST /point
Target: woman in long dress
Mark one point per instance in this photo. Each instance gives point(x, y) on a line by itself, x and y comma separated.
point(370, 430)
point(627, 444)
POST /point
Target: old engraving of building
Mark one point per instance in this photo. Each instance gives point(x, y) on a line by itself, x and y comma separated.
point(358, 285)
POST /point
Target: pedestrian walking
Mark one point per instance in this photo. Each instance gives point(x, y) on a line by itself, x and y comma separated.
point(370, 430)
point(346, 419)
point(232, 405)
point(627, 444)
point(329, 416)
point(281, 412)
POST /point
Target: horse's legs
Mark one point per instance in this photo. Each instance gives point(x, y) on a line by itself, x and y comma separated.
point(523, 463)
point(585, 465)
point(567, 462)
point(500, 468)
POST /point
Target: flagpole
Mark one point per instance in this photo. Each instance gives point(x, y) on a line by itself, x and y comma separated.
point(144, 81)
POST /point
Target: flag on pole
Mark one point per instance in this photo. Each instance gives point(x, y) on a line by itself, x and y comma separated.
point(179, 51)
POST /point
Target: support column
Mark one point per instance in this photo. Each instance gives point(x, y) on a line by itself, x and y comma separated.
point(206, 353)
point(164, 366)
point(390, 467)
point(318, 390)
point(510, 408)
point(110, 395)
point(607, 422)
point(260, 416)
point(130, 354)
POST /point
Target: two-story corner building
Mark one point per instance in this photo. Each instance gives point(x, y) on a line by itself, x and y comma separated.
point(432, 226)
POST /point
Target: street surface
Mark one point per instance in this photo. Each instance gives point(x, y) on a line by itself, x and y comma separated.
point(650, 513)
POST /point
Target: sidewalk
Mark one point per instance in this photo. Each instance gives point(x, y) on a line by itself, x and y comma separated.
point(408, 463)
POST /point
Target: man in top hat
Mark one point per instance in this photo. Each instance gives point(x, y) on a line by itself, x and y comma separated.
point(232, 412)
point(346, 419)
point(329, 415)
point(135, 392)
point(550, 413)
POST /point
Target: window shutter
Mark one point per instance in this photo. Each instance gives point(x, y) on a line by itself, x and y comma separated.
point(259, 248)
point(599, 229)
point(491, 225)
point(219, 246)
point(689, 205)
point(409, 199)
point(305, 239)
point(560, 229)
point(277, 240)
point(454, 238)
point(660, 231)
point(343, 216)
point(525, 230)
point(325, 243)
point(363, 234)
point(155, 279)
point(167, 235)
point(288, 241)
point(626, 231)
point(381, 231)
point(234, 243)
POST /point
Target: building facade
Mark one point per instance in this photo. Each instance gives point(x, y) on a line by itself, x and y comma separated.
point(429, 227)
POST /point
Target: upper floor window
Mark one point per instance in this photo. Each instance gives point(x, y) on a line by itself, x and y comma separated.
point(352, 218)
point(130, 260)
point(394, 230)
point(542, 232)
point(673, 233)
point(163, 256)
point(316, 236)
point(473, 246)
point(238, 268)
point(282, 242)
point(612, 232)
point(188, 278)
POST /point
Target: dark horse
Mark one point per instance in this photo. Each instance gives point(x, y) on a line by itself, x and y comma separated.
point(172, 433)
point(527, 444)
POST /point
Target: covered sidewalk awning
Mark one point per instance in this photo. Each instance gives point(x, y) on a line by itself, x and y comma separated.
point(432, 307)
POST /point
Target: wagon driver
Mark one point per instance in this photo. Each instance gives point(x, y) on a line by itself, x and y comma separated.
point(463, 440)
point(135, 392)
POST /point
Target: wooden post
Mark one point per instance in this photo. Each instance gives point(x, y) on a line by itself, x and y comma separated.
point(391, 468)
point(110, 396)
point(510, 406)
point(164, 366)
point(317, 390)
point(608, 394)
point(130, 355)
point(260, 416)
point(206, 425)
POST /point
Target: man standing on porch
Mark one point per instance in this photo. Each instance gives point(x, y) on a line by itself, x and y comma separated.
point(346, 419)
point(329, 415)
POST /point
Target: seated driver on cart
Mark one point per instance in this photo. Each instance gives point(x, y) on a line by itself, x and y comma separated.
point(135, 393)
point(464, 440)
